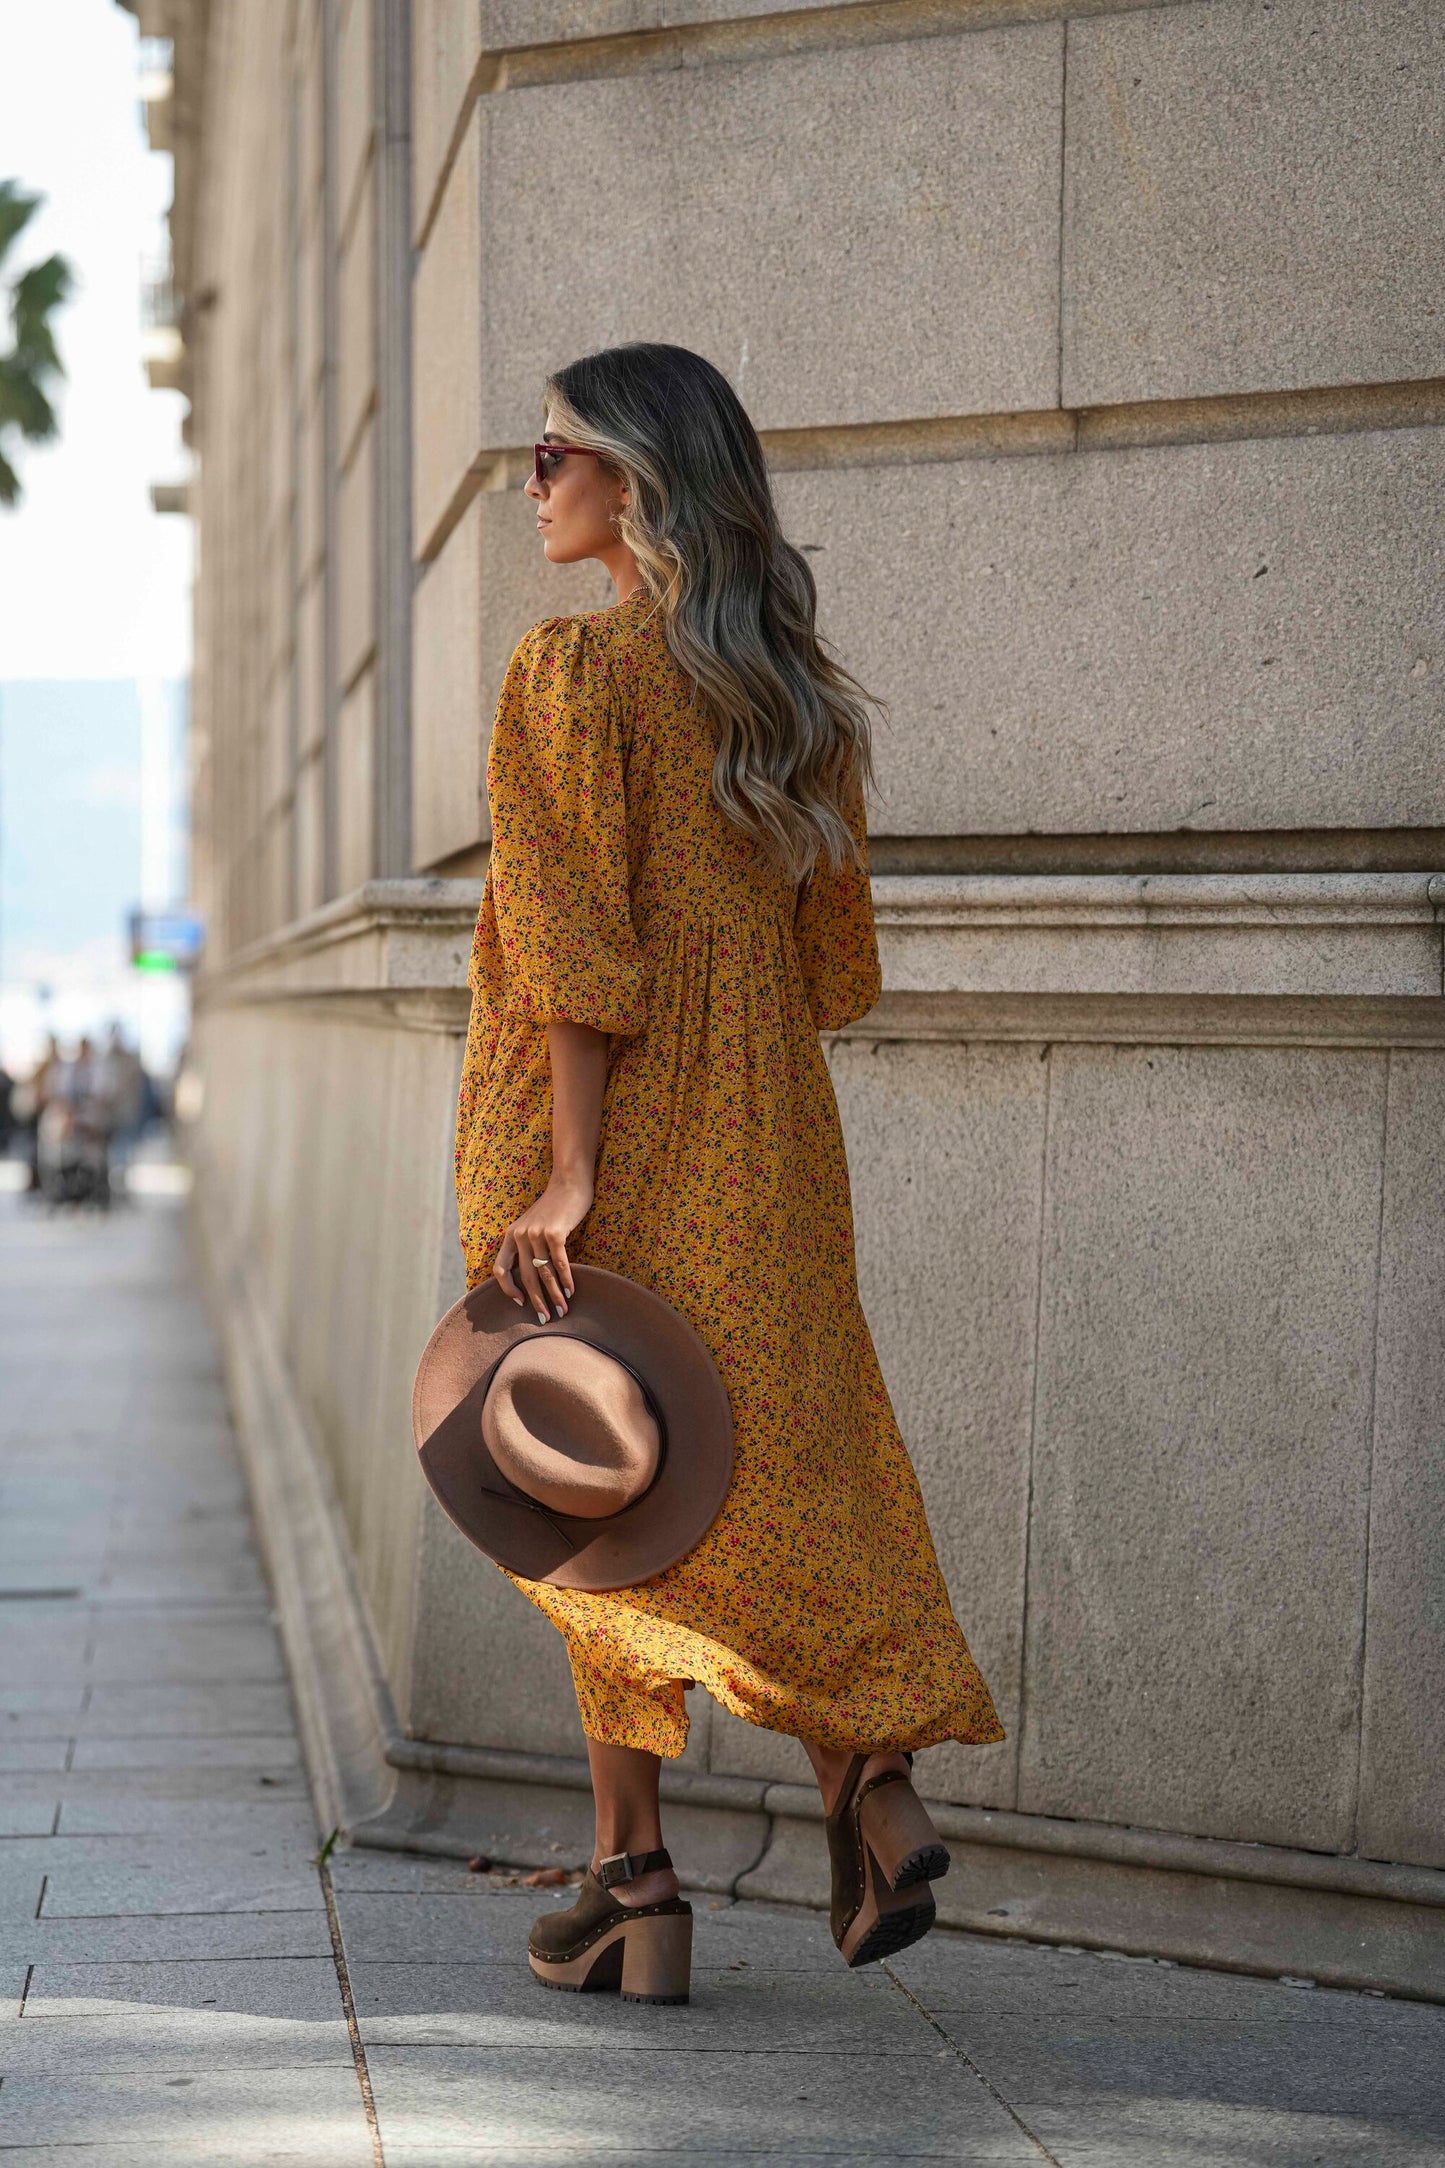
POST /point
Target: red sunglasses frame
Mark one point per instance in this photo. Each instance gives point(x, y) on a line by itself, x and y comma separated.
point(545, 451)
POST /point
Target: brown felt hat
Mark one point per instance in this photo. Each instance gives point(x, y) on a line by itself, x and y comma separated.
point(592, 1452)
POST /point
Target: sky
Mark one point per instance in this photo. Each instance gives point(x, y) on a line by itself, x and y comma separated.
point(94, 585)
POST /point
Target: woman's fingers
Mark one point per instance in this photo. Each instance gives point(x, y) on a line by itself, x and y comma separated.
point(557, 1272)
point(502, 1269)
point(536, 1257)
point(527, 1254)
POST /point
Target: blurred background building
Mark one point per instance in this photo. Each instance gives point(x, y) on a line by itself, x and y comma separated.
point(1098, 354)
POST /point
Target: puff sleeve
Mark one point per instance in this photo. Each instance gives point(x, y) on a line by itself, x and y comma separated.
point(834, 936)
point(565, 946)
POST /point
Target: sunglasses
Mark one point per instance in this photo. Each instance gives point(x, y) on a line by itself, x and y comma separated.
point(547, 458)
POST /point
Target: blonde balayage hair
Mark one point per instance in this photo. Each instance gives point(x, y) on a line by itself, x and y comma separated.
point(738, 603)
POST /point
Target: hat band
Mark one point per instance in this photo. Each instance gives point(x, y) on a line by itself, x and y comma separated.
point(511, 1495)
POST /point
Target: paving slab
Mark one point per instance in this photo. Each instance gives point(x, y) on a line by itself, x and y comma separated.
point(747, 2006)
point(267, 1753)
point(979, 1974)
point(226, 1821)
point(212, 1711)
point(29, 1756)
point(100, 1878)
point(169, 1649)
point(886, 2105)
point(164, 1937)
point(236, 2116)
point(82, 2018)
point(153, 1783)
point(336, 2152)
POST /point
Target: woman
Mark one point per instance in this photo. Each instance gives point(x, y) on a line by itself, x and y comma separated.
point(678, 904)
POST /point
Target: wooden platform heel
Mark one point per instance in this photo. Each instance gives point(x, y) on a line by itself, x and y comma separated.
point(642, 1951)
point(885, 1851)
point(899, 1834)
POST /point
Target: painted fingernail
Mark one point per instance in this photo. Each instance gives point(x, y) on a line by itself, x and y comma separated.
point(560, 1311)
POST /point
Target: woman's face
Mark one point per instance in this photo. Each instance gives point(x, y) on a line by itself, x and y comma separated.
point(577, 508)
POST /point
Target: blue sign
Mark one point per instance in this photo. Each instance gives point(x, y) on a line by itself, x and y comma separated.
point(166, 940)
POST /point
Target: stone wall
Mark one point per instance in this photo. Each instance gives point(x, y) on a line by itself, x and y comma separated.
point(1097, 355)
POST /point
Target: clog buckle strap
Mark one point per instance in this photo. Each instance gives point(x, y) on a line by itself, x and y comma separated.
point(627, 1866)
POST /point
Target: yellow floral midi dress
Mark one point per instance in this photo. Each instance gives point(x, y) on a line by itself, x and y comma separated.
point(621, 897)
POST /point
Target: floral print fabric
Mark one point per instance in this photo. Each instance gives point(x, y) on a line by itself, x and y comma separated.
point(620, 896)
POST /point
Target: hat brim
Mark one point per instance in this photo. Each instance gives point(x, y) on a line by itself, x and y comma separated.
point(645, 1538)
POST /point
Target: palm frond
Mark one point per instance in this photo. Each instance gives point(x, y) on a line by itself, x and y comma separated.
point(9, 483)
point(45, 286)
point(23, 404)
point(16, 211)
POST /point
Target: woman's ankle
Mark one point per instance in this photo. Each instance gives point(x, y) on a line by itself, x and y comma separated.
point(831, 1766)
point(652, 1888)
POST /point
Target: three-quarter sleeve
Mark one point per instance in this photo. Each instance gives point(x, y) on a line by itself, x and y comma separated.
point(833, 932)
point(558, 882)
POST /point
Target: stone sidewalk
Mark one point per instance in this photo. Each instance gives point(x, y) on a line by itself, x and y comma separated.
point(180, 1983)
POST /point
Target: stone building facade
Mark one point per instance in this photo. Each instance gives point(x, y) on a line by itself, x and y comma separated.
point(1099, 355)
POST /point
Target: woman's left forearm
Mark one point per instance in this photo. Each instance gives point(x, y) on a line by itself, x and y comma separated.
point(534, 1248)
point(579, 1078)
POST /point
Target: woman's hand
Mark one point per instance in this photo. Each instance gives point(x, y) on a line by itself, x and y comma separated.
point(534, 1248)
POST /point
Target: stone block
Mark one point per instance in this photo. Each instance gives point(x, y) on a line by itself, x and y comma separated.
point(1199, 636)
point(310, 818)
point(356, 554)
point(447, 731)
point(487, 1667)
point(356, 329)
point(355, 782)
point(277, 750)
point(1253, 199)
point(1201, 1456)
point(311, 90)
point(311, 313)
point(1193, 1919)
point(520, 588)
point(930, 287)
point(488, 586)
point(310, 491)
point(945, 1144)
point(539, 22)
point(311, 670)
point(1401, 1812)
point(355, 107)
point(444, 49)
point(740, 1749)
point(447, 348)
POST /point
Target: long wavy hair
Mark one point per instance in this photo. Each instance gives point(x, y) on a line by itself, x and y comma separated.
point(738, 603)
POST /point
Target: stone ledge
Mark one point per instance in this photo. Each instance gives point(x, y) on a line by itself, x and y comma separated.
point(1313, 934)
point(1321, 937)
point(400, 937)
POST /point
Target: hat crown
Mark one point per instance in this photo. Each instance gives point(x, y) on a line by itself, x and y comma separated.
point(569, 1425)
